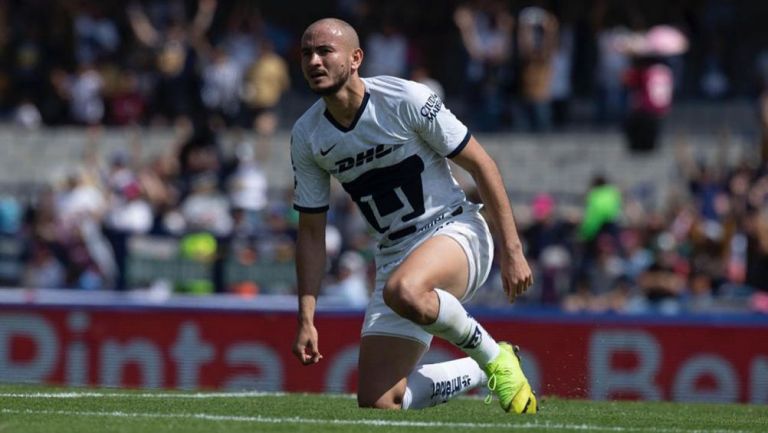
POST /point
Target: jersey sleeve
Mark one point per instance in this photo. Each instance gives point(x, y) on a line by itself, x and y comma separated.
point(311, 184)
point(424, 111)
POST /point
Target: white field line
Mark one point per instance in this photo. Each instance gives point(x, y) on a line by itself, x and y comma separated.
point(360, 422)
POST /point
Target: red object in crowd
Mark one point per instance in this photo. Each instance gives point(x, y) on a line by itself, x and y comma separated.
point(651, 87)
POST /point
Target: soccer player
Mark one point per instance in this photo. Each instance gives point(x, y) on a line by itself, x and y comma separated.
point(387, 141)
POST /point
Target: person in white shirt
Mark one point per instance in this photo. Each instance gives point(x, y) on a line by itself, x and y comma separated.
point(387, 141)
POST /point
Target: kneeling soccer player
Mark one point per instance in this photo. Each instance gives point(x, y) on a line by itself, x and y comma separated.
point(387, 141)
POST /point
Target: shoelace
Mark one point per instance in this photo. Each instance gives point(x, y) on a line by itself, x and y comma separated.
point(491, 387)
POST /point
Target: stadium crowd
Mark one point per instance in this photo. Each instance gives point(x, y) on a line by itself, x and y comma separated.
point(205, 67)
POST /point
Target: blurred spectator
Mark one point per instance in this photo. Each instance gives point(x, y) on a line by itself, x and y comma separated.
point(176, 95)
point(199, 154)
point(650, 91)
point(159, 182)
point(609, 28)
point(10, 215)
point(96, 34)
point(27, 115)
point(240, 41)
point(763, 104)
point(220, 88)
point(486, 29)
point(650, 82)
point(129, 212)
point(598, 234)
point(549, 249)
point(81, 199)
point(637, 257)
point(127, 104)
point(351, 285)
point(248, 188)
point(86, 102)
point(662, 285)
point(55, 103)
point(602, 209)
point(562, 65)
point(714, 82)
point(43, 270)
point(27, 64)
point(757, 249)
point(537, 43)
point(386, 51)
point(700, 294)
point(420, 74)
point(205, 208)
point(265, 82)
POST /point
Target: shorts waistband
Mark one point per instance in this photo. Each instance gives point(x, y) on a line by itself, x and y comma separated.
point(397, 236)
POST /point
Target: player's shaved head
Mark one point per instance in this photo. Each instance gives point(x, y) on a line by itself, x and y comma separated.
point(338, 29)
point(330, 55)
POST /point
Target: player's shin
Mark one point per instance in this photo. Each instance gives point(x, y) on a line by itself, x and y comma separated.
point(432, 384)
point(454, 324)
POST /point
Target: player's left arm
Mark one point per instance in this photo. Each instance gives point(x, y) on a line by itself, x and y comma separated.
point(515, 272)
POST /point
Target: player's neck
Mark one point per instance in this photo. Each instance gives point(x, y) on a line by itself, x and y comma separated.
point(344, 104)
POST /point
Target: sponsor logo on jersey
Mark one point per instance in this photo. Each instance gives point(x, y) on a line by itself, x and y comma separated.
point(324, 152)
point(431, 107)
point(380, 151)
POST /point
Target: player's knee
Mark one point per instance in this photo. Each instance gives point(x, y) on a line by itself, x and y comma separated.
point(400, 294)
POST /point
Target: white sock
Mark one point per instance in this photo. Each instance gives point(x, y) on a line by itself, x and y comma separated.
point(432, 384)
point(454, 324)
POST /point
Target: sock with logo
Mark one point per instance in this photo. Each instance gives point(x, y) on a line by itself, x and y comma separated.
point(454, 324)
point(432, 384)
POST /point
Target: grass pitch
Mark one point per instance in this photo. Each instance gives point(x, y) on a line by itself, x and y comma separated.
point(30, 409)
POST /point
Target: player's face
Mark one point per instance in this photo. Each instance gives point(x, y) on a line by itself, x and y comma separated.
point(325, 61)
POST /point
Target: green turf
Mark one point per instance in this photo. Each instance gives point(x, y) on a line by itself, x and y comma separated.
point(32, 409)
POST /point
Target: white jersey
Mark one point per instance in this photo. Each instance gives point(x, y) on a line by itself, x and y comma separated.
point(391, 159)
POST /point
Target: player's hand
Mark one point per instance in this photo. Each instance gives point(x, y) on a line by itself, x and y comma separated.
point(305, 348)
point(516, 275)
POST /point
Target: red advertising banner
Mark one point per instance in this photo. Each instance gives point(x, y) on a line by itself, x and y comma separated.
point(572, 356)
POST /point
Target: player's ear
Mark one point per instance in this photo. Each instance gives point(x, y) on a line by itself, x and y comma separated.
point(357, 59)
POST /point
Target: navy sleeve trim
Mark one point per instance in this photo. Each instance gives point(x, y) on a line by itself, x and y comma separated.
point(311, 209)
point(461, 146)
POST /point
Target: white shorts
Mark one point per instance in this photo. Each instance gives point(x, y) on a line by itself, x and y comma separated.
point(470, 230)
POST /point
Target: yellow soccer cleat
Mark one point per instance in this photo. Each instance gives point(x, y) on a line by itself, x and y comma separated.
point(507, 381)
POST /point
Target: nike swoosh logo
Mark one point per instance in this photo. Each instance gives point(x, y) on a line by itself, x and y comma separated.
point(326, 151)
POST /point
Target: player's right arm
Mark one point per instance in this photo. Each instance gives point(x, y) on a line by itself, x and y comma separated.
point(310, 269)
point(311, 198)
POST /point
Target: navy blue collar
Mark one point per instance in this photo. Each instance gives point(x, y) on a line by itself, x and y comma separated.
point(358, 115)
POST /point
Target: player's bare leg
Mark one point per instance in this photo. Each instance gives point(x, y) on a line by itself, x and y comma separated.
point(438, 262)
point(412, 292)
point(383, 367)
point(385, 362)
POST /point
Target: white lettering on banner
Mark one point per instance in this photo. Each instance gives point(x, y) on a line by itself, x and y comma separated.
point(604, 379)
point(190, 352)
point(115, 356)
point(256, 355)
point(706, 365)
point(76, 373)
point(46, 344)
point(758, 372)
